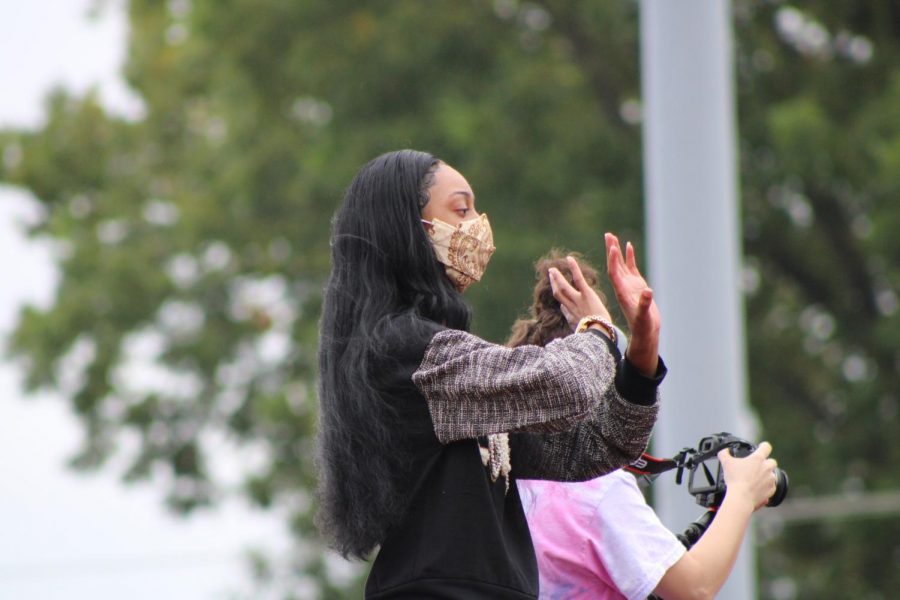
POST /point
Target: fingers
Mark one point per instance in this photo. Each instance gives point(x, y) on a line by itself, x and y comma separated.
point(613, 254)
point(562, 290)
point(764, 449)
point(645, 300)
point(577, 275)
point(567, 313)
point(725, 456)
point(753, 476)
point(620, 268)
point(761, 453)
point(629, 258)
point(576, 304)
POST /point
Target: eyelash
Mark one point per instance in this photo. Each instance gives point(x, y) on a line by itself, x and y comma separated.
point(463, 211)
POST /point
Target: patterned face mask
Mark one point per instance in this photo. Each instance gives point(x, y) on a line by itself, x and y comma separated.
point(464, 250)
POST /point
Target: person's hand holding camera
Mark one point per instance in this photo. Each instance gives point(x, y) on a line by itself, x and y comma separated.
point(752, 477)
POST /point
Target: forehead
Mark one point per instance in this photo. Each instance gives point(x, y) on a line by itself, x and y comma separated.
point(448, 180)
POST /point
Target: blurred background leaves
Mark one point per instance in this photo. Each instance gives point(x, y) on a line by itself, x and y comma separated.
point(193, 241)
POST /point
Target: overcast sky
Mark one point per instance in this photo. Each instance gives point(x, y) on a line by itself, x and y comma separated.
point(63, 535)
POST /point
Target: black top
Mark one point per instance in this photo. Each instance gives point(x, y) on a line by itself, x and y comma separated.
point(465, 536)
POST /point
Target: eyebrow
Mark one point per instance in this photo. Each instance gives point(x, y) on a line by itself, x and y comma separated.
point(463, 192)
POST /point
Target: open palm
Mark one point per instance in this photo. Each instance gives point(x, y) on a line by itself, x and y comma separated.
point(636, 302)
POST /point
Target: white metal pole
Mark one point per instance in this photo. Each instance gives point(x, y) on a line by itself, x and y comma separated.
point(693, 238)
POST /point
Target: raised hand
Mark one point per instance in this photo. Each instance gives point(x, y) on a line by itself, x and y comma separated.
point(578, 301)
point(636, 301)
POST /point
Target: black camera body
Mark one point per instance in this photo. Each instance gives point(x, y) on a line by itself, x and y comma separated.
point(706, 479)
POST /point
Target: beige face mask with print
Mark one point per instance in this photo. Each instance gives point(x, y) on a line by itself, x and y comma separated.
point(464, 250)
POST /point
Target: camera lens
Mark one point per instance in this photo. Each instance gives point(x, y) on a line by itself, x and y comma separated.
point(781, 488)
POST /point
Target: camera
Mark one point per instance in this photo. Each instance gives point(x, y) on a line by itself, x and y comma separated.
point(706, 479)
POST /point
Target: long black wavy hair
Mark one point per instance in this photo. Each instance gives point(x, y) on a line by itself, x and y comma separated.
point(382, 266)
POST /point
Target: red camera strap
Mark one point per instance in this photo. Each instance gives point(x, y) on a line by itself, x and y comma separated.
point(651, 465)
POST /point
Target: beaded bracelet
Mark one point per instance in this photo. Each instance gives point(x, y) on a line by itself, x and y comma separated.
point(603, 322)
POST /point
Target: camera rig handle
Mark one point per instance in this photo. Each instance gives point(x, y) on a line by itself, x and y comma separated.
point(692, 533)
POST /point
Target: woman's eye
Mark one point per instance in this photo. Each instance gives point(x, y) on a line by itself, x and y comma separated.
point(462, 211)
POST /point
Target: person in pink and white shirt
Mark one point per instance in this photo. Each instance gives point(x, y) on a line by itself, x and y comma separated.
point(599, 539)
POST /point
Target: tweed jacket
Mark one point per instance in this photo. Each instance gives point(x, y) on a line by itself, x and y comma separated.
point(570, 390)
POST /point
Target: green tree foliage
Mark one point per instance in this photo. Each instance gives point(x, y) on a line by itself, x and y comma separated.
point(820, 117)
point(195, 238)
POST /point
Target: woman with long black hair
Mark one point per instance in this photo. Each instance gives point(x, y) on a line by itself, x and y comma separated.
point(423, 426)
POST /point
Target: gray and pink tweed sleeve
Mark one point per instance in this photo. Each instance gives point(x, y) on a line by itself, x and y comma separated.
point(612, 436)
point(565, 392)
